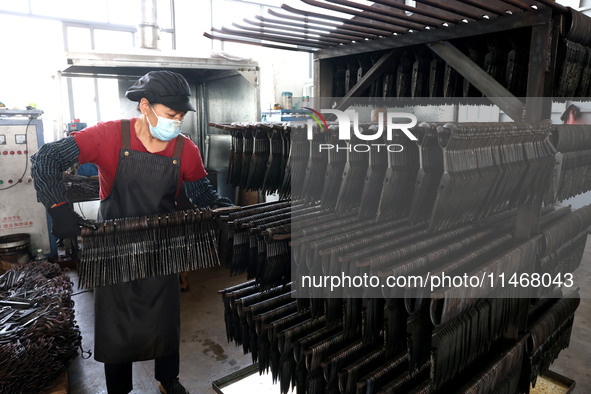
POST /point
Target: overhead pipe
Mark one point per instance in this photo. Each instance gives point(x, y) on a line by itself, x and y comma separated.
point(267, 26)
point(286, 33)
point(385, 29)
point(445, 6)
point(348, 33)
point(415, 10)
point(519, 4)
point(553, 4)
point(269, 37)
point(427, 21)
point(317, 26)
point(579, 30)
point(340, 26)
point(257, 43)
point(485, 7)
point(263, 36)
point(148, 28)
point(373, 17)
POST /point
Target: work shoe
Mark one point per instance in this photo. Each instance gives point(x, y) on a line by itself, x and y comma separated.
point(174, 387)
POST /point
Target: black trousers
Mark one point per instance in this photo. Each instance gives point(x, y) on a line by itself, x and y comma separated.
point(119, 376)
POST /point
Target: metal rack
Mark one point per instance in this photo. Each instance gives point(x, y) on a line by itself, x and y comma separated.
point(388, 30)
point(386, 26)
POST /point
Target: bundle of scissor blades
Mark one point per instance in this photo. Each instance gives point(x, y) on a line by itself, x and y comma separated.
point(16, 315)
point(38, 334)
point(573, 143)
point(258, 154)
point(19, 300)
point(131, 248)
point(490, 167)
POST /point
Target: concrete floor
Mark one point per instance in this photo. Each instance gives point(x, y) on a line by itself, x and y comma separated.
point(207, 356)
point(575, 361)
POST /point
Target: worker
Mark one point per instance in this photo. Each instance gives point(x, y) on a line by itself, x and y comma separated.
point(375, 115)
point(142, 162)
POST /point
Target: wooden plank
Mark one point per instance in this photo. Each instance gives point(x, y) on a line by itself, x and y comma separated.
point(480, 79)
point(370, 76)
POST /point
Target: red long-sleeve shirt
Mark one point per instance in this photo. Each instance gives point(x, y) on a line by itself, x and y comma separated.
point(100, 144)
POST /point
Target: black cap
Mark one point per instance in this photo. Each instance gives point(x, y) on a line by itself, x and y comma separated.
point(162, 87)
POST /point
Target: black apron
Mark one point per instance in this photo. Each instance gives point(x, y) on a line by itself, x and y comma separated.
point(139, 320)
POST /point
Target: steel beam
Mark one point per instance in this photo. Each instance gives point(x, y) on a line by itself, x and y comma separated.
point(480, 79)
point(371, 75)
point(538, 106)
point(540, 70)
point(323, 83)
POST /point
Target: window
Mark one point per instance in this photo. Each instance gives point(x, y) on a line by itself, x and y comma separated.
point(112, 40)
point(410, 3)
point(108, 92)
point(83, 96)
point(165, 41)
point(164, 14)
point(14, 6)
point(78, 39)
point(84, 10)
point(125, 12)
point(225, 11)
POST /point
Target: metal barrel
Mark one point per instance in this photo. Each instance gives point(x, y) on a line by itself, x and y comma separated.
point(15, 250)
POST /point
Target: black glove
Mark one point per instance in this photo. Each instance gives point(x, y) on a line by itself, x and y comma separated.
point(66, 222)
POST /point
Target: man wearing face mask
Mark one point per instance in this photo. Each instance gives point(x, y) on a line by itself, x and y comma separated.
point(142, 162)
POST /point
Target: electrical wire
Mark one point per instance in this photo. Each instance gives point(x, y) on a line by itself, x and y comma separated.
point(82, 291)
point(81, 211)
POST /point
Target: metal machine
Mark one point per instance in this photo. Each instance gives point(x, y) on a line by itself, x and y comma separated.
point(21, 135)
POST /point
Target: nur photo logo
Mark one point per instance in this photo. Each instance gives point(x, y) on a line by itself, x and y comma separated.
point(348, 126)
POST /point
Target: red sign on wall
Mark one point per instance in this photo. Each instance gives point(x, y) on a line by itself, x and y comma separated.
point(15, 222)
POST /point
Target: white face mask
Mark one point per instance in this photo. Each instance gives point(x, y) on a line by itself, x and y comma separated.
point(165, 129)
